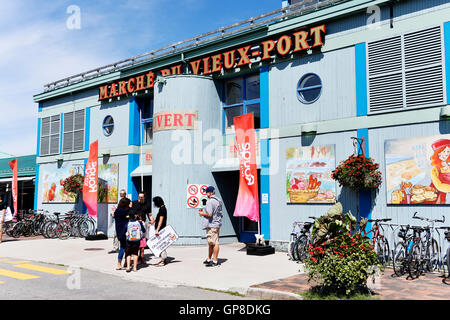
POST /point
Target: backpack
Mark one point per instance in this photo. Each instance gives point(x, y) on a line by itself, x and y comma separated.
point(134, 232)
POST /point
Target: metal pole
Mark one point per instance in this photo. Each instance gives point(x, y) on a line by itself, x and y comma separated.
point(140, 159)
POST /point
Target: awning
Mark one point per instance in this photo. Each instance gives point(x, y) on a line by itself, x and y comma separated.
point(230, 164)
point(18, 179)
point(142, 171)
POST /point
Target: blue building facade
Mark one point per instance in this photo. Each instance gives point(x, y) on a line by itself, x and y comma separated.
point(318, 77)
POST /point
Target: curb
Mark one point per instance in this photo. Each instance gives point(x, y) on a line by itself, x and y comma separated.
point(266, 294)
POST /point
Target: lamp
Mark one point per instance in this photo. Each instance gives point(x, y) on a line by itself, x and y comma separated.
point(59, 160)
point(309, 129)
point(445, 112)
point(160, 80)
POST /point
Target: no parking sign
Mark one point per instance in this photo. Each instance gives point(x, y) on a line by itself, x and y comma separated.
point(196, 196)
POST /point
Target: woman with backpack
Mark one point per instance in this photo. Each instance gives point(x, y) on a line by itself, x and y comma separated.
point(121, 217)
point(135, 233)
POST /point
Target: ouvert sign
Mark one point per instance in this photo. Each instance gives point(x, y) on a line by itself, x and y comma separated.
point(296, 42)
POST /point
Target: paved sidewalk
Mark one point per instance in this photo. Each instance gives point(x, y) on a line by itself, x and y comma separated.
point(387, 287)
point(238, 271)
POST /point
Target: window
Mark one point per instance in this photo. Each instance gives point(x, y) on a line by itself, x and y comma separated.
point(309, 88)
point(406, 71)
point(73, 131)
point(146, 108)
point(108, 126)
point(241, 96)
point(50, 135)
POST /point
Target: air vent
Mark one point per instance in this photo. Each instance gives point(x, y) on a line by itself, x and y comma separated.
point(406, 71)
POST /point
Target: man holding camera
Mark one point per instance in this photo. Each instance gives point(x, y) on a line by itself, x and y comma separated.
point(212, 221)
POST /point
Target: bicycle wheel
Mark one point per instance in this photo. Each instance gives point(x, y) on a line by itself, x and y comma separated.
point(8, 228)
point(399, 259)
point(17, 230)
point(415, 261)
point(382, 250)
point(302, 248)
point(432, 256)
point(83, 230)
point(63, 231)
point(447, 262)
point(50, 230)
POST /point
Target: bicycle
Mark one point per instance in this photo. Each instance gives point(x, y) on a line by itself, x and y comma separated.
point(446, 258)
point(379, 242)
point(299, 243)
point(401, 251)
point(430, 250)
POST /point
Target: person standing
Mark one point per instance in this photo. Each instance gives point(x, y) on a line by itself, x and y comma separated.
point(135, 232)
point(142, 209)
point(116, 244)
point(160, 223)
point(2, 215)
point(121, 217)
point(212, 221)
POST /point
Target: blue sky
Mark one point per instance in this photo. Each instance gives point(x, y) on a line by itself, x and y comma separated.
point(37, 47)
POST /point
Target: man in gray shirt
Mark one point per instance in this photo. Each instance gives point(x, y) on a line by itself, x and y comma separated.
point(212, 221)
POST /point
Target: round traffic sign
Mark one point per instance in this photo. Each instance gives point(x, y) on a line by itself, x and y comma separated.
point(203, 189)
point(192, 202)
point(192, 189)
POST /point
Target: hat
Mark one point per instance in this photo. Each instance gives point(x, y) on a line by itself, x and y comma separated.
point(441, 143)
point(210, 189)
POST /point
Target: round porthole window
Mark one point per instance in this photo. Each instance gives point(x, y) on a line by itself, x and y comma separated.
point(309, 88)
point(108, 126)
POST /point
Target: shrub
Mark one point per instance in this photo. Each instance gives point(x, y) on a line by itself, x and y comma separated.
point(338, 260)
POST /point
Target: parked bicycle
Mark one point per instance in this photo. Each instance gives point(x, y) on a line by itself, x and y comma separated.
point(446, 258)
point(300, 240)
point(379, 241)
point(429, 248)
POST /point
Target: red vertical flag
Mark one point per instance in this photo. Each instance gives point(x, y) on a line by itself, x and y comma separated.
point(90, 187)
point(13, 165)
point(247, 204)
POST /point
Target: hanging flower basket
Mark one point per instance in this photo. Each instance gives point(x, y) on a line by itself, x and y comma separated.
point(358, 173)
point(74, 184)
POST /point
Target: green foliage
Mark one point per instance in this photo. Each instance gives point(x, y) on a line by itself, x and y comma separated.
point(337, 258)
point(74, 183)
point(333, 223)
point(358, 173)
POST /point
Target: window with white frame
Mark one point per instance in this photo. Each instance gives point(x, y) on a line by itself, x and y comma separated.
point(241, 96)
point(406, 71)
point(73, 131)
point(50, 135)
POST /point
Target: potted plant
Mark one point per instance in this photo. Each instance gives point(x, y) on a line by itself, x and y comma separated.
point(74, 185)
point(358, 173)
point(340, 259)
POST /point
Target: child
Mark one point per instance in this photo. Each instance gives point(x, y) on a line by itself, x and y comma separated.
point(135, 232)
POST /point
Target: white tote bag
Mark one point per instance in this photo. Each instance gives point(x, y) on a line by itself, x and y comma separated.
point(8, 215)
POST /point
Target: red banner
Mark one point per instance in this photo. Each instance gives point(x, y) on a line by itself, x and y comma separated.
point(90, 187)
point(13, 165)
point(247, 204)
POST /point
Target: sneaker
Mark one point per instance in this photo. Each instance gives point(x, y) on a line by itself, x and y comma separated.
point(207, 261)
point(213, 264)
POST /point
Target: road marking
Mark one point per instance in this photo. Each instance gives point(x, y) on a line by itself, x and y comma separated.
point(14, 262)
point(16, 275)
point(41, 269)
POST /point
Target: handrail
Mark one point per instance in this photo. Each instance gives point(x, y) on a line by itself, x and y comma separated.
point(303, 7)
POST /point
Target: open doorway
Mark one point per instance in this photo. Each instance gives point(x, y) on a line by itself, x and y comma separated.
point(228, 185)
